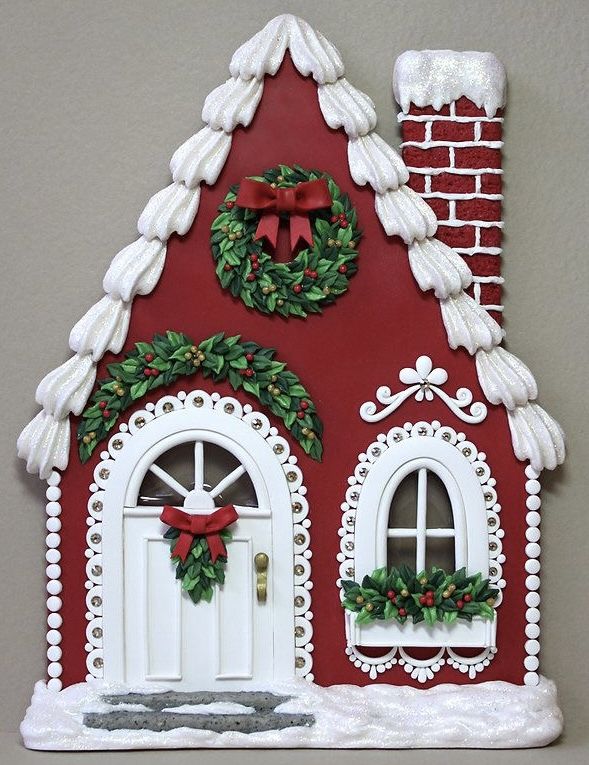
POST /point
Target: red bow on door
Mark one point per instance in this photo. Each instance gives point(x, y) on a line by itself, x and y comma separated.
point(199, 525)
point(298, 200)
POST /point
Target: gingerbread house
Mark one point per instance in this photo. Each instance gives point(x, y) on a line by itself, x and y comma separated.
point(290, 450)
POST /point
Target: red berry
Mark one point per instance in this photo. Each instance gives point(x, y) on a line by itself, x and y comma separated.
point(343, 268)
point(147, 372)
point(249, 372)
point(422, 600)
point(102, 404)
point(148, 357)
point(333, 218)
point(307, 272)
point(106, 414)
point(251, 277)
point(402, 612)
point(227, 267)
point(459, 604)
point(297, 288)
point(242, 372)
point(255, 266)
point(467, 598)
point(342, 215)
point(343, 223)
point(154, 372)
point(390, 594)
point(249, 357)
point(300, 414)
point(230, 205)
point(304, 404)
point(313, 274)
point(253, 257)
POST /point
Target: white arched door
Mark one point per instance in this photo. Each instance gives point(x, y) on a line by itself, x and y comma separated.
point(153, 632)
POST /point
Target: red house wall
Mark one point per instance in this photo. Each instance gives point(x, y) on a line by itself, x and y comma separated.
point(382, 324)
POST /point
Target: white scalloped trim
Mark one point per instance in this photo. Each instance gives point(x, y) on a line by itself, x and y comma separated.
point(229, 407)
point(137, 268)
point(421, 670)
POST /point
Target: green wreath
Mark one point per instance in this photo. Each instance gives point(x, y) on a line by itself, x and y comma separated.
point(314, 278)
point(246, 365)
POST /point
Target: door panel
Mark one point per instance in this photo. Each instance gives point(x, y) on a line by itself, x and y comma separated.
point(219, 645)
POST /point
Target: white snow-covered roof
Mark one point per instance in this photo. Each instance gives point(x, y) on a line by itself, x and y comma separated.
point(136, 269)
point(438, 77)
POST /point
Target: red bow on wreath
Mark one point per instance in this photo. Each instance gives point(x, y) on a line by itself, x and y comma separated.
point(199, 525)
point(298, 200)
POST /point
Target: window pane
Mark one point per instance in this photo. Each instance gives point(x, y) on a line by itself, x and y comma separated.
point(439, 508)
point(179, 463)
point(439, 552)
point(403, 510)
point(401, 551)
point(218, 464)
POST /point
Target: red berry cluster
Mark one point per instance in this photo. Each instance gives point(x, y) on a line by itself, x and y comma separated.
point(248, 371)
point(105, 411)
point(297, 288)
point(150, 371)
point(465, 599)
point(428, 599)
point(301, 412)
point(310, 273)
point(392, 596)
point(230, 205)
point(341, 219)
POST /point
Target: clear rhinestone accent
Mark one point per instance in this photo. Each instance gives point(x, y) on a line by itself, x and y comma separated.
point(257, 424)
point(198, 401)
point(299, 570)
point(349, 546)
point(278, 448)
point(139, 422)
point(299, 662)
point(229, 408)
point(97, 506)
point(299, 601)
point(96, 570)
point(168, 407)
point(98, 662)
point(299, 539)
point(297, 507)
point(104, 473)
point(299, 632)
point(96, 539)
point(96, 601)
point(291, 476)
point(97, 632)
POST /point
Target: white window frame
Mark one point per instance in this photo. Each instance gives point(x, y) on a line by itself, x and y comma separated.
point(364, 533)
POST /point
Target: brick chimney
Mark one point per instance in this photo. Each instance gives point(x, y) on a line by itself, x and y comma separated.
point(451, 127)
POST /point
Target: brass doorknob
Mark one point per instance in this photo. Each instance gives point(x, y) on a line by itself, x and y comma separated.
point(261, 561)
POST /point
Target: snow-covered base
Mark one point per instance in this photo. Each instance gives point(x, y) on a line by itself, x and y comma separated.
point(489, 715)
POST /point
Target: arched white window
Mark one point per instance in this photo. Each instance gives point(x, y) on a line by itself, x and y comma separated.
point(421, 495)
point(425, 460)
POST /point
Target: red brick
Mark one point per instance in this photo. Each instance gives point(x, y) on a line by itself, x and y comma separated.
point(490, 294)
point(417, 111)
point(413, 131)
point(491, 131)
point(449, 183)
point(477, 157)
point(466, 108)
point(491, 183)
point(491, 237)
point(417, 182)
point(485, 265)
point(440, 208)
point(437, 157)
point(478, 209)
point(452, 131)
point(457, 236)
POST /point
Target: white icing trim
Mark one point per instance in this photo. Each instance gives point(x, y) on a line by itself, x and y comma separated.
point(229, 407)
point(424, 381)
point(438, 77)
point(536, 436)
point(532, 569)
point(54, 586)
point(136, 269)
point(67, 388)
point(421, 670)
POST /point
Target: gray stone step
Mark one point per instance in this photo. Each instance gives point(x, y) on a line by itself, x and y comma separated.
point(259, 700)
point(165, 721)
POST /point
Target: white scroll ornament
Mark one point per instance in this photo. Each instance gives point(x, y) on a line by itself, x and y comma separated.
point(424, 382)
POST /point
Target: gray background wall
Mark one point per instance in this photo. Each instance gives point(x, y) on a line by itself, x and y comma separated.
point(95, 97)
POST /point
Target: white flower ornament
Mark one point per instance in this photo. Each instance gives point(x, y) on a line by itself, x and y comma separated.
point(423, 381)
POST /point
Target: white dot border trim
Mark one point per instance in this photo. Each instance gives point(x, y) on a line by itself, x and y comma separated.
point(54, 585)
point(532, 571)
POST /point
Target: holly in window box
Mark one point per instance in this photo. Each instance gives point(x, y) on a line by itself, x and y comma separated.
point(428, 596)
